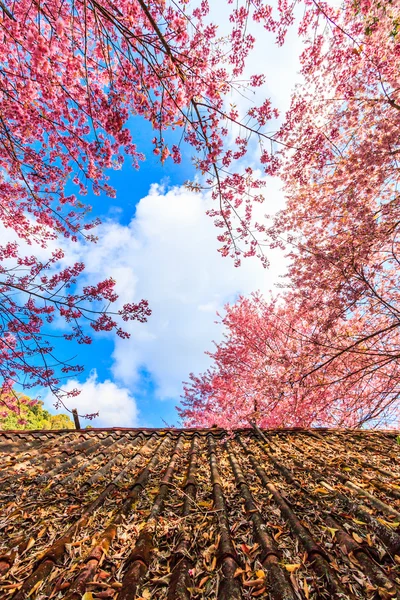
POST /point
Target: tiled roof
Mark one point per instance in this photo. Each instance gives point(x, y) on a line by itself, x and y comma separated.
point(177, 514)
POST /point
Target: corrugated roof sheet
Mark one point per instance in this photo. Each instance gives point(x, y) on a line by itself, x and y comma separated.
point(180, 514)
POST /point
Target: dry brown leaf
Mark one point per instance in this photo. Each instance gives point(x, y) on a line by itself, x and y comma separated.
point(294, 582)
point(245, 549)
point(104, 574)
point(11, 586)
point(258, 592)
point(331, 530)
point(98, 584)
point(254, 582)
point(386, 594)
point(278, 535)
point(306, 589)
point(254, 547)
point(34, 588)
point(391, 524)
point(353, 559)
point(357, 538)
point(30, 543)
point(214, 563)
point(116, 585)
point(42, 532)
point(260, 573)
point(203, 580)
point(65, 585)
point(292, 568)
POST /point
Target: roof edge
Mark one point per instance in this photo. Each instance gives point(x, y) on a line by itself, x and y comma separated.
point(202, 430)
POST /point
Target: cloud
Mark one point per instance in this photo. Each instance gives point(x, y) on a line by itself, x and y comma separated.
point(115, 404)
point(280, 64)
point(168, 255)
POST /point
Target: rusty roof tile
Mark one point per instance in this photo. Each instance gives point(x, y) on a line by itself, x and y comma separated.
point(185, 513)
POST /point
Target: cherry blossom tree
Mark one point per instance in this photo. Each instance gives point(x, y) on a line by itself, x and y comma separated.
point(71, 75)
point(328, 352)
point(341, 174)
point(342, 215)
point(277, 369)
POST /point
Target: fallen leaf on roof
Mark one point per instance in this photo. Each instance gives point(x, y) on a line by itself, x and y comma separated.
point(292, 568)
point(321, 490)
point(259, 592)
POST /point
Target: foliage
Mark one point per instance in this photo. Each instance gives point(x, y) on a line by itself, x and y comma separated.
point(32, 415)
point(264, 371)
point(327, 351)
point(72, 75)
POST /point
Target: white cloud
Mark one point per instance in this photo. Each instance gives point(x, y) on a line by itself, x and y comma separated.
point(279, 64)
point(115, 404)
point(168, 255)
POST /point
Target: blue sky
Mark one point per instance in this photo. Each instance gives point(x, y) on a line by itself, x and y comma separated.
point(131, 185)
point(158, 244)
